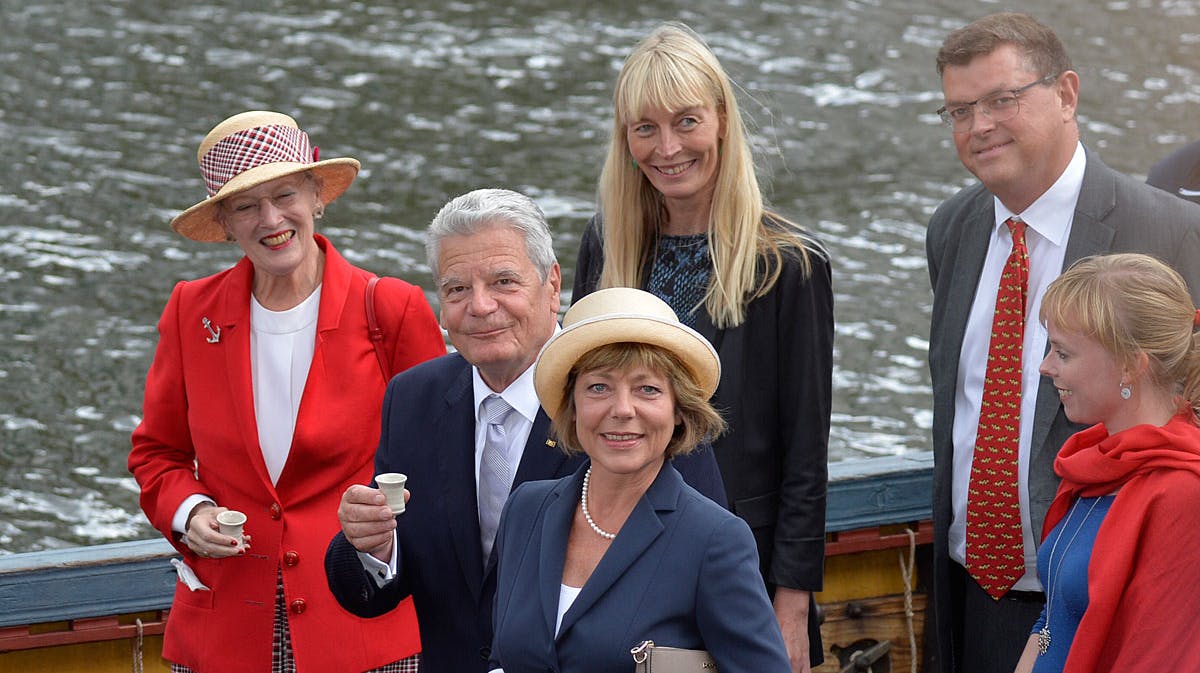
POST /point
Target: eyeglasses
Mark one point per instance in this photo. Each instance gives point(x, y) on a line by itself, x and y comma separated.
point(999, 107)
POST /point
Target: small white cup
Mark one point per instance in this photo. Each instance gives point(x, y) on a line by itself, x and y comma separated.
point(392, 485)
point(231, 522)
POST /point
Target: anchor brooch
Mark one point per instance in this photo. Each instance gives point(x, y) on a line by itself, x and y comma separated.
point(214, 336)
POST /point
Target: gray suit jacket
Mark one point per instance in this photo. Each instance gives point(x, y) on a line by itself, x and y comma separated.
point(1115, 213)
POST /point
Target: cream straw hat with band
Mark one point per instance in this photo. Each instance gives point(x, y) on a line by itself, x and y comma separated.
point(620, 315)
point(247, 150)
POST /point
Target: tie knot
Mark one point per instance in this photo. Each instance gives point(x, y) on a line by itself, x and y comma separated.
point(495, 410)
point(1016, 227)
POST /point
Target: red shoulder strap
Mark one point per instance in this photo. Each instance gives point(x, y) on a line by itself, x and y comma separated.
point(373, 328)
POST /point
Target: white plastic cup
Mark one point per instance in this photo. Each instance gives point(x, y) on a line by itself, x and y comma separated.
point(231, 522)
point(392, 485)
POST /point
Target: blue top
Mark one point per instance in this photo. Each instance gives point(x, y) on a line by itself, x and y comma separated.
point(679, 274)
point(1063, 567)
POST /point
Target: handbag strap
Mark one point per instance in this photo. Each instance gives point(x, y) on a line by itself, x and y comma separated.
point(373, 328)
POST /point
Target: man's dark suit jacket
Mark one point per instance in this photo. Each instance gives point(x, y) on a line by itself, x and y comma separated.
point(1114, 213)
point(429, 434)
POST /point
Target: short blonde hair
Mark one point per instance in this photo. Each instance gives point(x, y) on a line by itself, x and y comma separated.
point(1132, 304)
point(699, 420)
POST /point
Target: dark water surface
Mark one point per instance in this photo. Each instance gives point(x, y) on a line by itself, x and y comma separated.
point(105, 103)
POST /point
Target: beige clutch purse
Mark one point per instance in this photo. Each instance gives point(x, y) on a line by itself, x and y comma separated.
point(650, 658)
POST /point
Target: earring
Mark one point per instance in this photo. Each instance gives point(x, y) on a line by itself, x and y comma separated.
point(633, 162)
point(1126, 391)
point(319, 213)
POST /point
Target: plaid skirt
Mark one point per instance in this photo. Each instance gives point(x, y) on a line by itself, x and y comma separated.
point(282, 659)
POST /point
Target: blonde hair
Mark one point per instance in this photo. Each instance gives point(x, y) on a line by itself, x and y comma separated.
point(699, 420)
point(673, 69)
point(1133, 304)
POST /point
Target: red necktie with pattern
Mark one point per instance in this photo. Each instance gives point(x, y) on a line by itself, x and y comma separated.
point(995, 546)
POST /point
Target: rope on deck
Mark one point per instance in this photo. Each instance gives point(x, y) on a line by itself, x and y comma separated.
point(137, 648)
point(906, 572)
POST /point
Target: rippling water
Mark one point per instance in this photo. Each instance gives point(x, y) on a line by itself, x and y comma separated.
point(104, 104)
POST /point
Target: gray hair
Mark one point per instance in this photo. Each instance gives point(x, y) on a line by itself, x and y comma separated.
point(484, 208)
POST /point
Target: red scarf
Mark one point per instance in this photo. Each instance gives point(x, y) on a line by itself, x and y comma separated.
point(1144, 575)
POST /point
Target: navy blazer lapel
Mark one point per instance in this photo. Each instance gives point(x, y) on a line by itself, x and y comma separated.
point(542, 457)
point(556, 527)
point(454, 439)
point(641, 529)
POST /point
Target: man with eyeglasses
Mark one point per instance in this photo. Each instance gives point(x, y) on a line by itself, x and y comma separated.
point(1042, 202)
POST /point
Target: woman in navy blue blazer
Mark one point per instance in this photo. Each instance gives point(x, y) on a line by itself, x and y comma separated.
point(623, 550)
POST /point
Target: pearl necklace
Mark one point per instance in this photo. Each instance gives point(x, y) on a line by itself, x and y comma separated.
point(587, 476)
point(1043, 636)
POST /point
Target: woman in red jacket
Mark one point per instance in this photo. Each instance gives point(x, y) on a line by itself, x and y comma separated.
point(1119, 557)
point(264, 397)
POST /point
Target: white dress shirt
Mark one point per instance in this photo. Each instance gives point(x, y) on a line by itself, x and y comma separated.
point(1048, 227)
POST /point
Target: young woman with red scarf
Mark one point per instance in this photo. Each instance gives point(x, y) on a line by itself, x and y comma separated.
point(1122, 538)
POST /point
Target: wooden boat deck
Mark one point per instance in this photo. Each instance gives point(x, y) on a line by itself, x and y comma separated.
point(91, 608)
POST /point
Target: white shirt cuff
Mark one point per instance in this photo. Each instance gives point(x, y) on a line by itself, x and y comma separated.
point(179, 521)
point(380, 572)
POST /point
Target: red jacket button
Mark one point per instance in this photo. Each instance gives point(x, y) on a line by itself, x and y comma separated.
point(276, 512)
point(299, 606)
point(290, 559)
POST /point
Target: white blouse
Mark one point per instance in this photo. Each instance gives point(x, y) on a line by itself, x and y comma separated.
point(281, 351)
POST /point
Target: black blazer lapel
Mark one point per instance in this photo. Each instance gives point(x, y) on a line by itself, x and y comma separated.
point(706, 328)
point(454, 442)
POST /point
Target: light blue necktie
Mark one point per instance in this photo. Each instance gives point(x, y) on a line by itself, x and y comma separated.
point(495, 472)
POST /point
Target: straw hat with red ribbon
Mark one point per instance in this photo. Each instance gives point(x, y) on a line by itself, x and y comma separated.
point(247, 150)
point(620, 315)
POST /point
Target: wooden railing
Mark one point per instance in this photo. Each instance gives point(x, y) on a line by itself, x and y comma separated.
point(110, 591)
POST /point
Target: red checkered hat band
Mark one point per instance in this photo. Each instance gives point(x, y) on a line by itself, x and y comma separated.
point(238, 152)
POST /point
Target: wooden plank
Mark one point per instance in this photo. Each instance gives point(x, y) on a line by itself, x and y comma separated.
point(883, 537)
point(65, 584)
point(880, 491)
point(90, 630)
point(110, 656)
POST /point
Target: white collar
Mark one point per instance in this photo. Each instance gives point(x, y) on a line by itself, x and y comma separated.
point(1051, 214)
point(519, 394)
